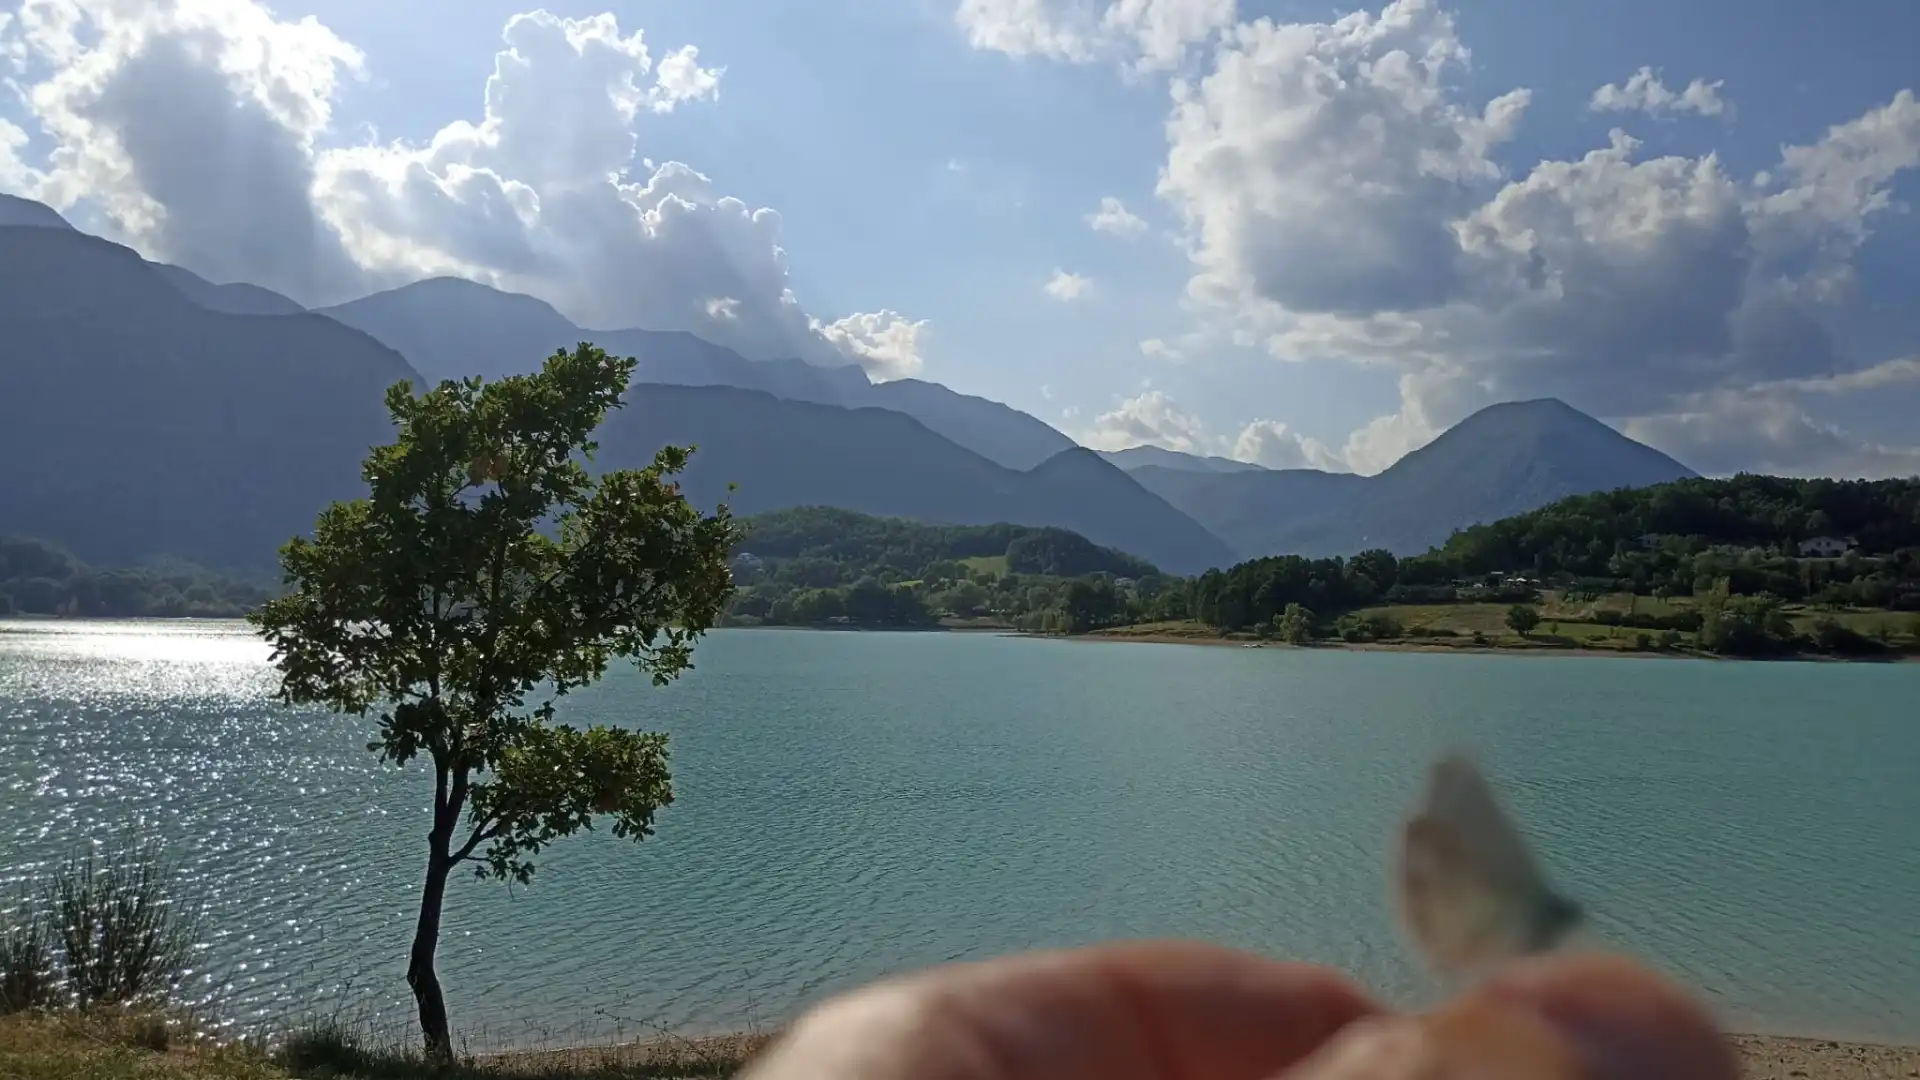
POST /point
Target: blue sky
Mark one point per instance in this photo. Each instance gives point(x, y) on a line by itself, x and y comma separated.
point(1299, 255)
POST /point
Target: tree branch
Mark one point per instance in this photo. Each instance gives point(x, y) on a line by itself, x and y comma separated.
point(480, 836)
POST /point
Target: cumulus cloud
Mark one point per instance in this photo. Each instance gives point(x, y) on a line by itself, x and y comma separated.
point(200, 131)
point(1144, 35)
point(1318, 166)
point(1114, 217)
point(1644, 92)
point(1733, 432)
point(1343, 201)
point(886, 343)
point(15, 174)
point(192, 129)
point(1148, 419)
point(1272, 444)
point(1151, 418)
point(1160, 350)
point(1067, 287)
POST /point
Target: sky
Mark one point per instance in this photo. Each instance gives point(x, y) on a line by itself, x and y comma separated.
point(1294, 233)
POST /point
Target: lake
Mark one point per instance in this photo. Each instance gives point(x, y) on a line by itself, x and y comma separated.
point(852, 804)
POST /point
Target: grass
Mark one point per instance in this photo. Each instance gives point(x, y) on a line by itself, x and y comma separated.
point(113, 1044)
point(986, 564)
point(1159, 631)
point(1564, 624)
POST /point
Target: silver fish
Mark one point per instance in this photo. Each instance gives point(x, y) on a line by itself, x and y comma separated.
point(1469, 890)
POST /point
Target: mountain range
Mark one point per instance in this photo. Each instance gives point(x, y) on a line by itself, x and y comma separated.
point(166, 414)
point(1504, 460)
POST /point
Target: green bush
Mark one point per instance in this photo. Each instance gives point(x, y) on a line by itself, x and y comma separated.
point(123, 935)
point(27, 977)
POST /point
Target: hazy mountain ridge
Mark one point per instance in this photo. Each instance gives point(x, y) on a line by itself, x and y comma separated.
point(15, 210)
point(154, 425)
point(1134, 458)
point(238, 298)
point(74, 295)
point(144, 424)
point(1504, 460)
point(452, 328)
point(785, 454)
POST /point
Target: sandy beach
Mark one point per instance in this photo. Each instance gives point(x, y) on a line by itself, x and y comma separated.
point(1769, 1057)
point(1762, 1057)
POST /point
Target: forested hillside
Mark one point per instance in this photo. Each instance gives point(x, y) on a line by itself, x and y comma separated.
point(820, 566)
point(40, 579)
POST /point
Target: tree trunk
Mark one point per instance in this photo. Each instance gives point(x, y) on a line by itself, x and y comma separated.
point(426, 940)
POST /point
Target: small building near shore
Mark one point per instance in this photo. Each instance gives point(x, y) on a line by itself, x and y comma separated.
point(1825, 547)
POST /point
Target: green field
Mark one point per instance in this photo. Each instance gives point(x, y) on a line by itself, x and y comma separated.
point(986, 564)
point(1564, 624)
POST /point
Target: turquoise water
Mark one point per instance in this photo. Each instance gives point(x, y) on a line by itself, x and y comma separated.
point(856, 804)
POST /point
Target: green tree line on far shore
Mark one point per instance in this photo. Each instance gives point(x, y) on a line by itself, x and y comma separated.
point(37, 578)
point(1730, 552)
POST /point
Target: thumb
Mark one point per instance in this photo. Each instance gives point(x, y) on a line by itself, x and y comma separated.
point(1574, 1018)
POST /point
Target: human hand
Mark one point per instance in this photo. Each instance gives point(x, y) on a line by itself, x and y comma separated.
point(1177, 1011)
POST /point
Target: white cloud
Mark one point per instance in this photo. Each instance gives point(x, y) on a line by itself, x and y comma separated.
point(681, 78)
point(15, 174)
point(1732, 432)
point(1145, 35)
point(1272, 444)
point(192, 128)
point(1114, 217)
point(1160, 350)
point(1068, 287)
point(1318, 166)
point(1342, 203)
point(1644, 92)
point(201, 132)
point(1887, 373)
point(1151, 418)
point(886, 343)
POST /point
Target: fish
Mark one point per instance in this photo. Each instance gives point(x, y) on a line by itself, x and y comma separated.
point(1470, 893)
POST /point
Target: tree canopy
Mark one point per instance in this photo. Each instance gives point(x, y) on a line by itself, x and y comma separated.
point(484, 576)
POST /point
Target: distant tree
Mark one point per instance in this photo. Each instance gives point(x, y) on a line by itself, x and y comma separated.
point(966, 599)
point(1522, 619)
point(1379, 565)
point(1089, 605)
point(484, 576)
point(1294, 625)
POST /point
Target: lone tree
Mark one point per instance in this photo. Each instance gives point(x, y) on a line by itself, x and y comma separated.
point(1295, 625)
point(1522, 619)
point(484, 576)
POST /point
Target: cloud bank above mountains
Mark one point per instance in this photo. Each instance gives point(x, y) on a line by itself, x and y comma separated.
point(1343, 201)
point(201, 133)
point(1337, 198)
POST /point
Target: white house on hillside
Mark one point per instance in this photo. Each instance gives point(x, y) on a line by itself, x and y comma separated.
point(1825, 547)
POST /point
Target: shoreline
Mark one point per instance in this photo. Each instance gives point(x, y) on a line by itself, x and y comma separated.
point(1762, 1057)
point(1120, 636)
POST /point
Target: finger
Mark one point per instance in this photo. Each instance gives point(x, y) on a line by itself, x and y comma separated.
point(1577, 1018)
point(1150, 1011)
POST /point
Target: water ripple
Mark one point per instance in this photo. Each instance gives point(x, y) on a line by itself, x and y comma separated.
point(854, 804)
